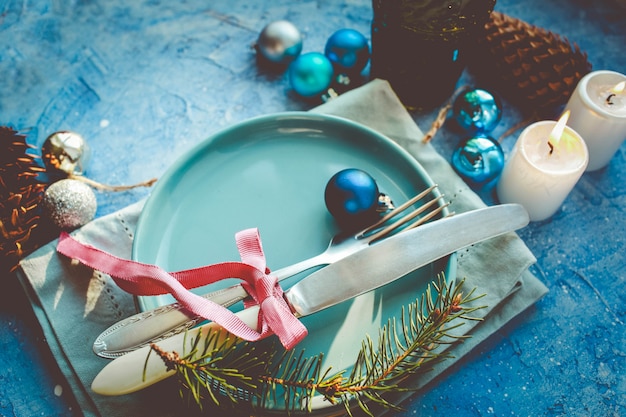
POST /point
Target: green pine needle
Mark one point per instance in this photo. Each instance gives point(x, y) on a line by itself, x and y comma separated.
point(231, 373)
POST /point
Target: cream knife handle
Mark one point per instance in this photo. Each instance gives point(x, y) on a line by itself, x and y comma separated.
point(142, 367)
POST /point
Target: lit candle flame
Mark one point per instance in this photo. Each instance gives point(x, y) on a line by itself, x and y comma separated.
point(619, 87)
point(557, 131)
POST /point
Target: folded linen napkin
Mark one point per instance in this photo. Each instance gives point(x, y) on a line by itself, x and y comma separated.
point(75, 304)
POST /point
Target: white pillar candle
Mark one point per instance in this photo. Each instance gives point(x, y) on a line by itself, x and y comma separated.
point(543, 167)
point(598, 114)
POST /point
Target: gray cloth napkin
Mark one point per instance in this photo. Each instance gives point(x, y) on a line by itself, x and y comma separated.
point(74, 304)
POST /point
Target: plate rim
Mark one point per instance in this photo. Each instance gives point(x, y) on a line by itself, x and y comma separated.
point(188, 155)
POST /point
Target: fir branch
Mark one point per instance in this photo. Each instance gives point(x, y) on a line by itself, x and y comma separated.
point(227, 371)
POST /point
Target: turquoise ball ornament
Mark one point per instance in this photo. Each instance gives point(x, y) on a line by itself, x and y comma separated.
point(311, 74)
point(351, 197)
point(477, 111)
point(348, 50)
point(479, 160)
point(280, 42)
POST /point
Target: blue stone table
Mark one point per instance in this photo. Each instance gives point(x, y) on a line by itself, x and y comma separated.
point(143, 81)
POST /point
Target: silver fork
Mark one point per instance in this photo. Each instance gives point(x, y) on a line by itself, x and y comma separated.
point(156, 324)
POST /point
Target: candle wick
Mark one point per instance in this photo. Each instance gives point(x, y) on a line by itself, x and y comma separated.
point(551, 148)
point(608, 99)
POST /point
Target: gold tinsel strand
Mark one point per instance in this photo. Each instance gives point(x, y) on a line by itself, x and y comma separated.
point(21, 191)
point(528, 65)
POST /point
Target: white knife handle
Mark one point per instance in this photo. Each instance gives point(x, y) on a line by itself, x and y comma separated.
point(131, 372)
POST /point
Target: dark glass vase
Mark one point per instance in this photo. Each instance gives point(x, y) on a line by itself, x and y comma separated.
point(420, 46)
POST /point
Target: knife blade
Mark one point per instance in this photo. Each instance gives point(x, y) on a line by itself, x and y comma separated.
point(366, 270)
point(152, 325)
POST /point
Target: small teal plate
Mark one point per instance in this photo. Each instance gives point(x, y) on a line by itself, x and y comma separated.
point(270, 173)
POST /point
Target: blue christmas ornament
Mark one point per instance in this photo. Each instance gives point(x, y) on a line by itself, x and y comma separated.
point(348, 50)
point(310, 74)
point(479, 160)
point(477, 111)
point(279, 42)
point(352, 197)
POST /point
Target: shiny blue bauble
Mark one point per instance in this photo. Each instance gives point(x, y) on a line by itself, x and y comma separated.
point(351, 197)
point(348, 50)
point(479, 161)
point(310, 74)
point(280, 42)
point(477, 111)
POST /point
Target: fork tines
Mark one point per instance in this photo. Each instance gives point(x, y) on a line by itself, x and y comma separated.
point(409, 219)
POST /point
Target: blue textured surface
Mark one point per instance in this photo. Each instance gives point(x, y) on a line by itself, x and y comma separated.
point(143, 81)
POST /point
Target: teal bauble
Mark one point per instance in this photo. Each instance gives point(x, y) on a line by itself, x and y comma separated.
point(348, 50)
point(311, 74)
point(479, 161)
point(477, 111)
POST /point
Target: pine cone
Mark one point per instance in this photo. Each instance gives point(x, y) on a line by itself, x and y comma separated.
point(21, 191)
point(528, 65)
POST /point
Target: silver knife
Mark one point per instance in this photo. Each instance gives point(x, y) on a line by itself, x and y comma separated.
point(156, 324)
point(363, 271)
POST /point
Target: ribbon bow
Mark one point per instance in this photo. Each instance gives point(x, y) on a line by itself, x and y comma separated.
point(275, 316)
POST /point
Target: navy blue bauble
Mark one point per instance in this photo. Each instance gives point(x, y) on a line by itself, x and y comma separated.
point(479, 161)
point(351, 197)
point(311, 74)
point(279, 42)
point(348, 50)
point(477, 111)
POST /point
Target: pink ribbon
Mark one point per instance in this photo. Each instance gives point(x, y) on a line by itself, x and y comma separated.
point(275, 316)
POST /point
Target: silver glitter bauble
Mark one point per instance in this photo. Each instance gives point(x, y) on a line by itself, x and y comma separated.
point(69, 204)
point(66, 151)
point(280, 42)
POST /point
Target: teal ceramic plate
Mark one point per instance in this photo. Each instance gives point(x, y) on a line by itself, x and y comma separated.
point(270, 173)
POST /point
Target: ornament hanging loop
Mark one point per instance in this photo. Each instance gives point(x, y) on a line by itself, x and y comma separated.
point(68, 153)
point(114, 188)
point(441, 116)
point(437, 123)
